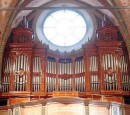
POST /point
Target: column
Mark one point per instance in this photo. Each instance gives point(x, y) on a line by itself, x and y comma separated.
point(118, 73)
point(13, 58)
point(87, 73)
point(29, 74)
point(57, 67)
point(100, 71)
point(43, 76)
point(73, 76)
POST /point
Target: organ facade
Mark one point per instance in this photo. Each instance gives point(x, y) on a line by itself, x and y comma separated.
point(99, 71)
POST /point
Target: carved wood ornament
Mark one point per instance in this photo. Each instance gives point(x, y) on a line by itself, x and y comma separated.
point(110, 71)
point(21, 72)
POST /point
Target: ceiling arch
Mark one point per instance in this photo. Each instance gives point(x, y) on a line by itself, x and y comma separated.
point(38, 3)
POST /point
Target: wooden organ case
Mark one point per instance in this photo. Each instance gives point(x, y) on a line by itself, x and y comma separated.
point(101, 68)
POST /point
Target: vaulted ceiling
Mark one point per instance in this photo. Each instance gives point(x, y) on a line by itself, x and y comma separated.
point(9, 17)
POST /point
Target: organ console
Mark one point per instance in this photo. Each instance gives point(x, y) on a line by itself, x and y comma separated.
point(101, 67)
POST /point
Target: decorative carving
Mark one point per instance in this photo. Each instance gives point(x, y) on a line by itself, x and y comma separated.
point(110, 71)
point(21, 72)
point(107, 37)
point(23, 38)
point(107, 32)
point(22, 35)
point(65, 76)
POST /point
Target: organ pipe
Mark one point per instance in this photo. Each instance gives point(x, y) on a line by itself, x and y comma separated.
point(36, 74)
point(6, 77)
point(76, 68)
point(93, 76)
point(79, 75)
point(110, 61)
point(124, 72)
point(57, 60)
point(51, 75)
point(21, 62)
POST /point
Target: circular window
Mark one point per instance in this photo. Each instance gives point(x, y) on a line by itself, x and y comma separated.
point(64, 27)
point(65, 30)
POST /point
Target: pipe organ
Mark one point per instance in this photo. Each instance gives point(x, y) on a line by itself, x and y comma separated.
point(36, 80)
point(109, 65)
point(65, 79)
point(20, 72)
point(7, 68)
point(80, 75)
point(125, 80)
point(94, 78)
point(70, 75)
point(51, 78)
point(100, 67)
